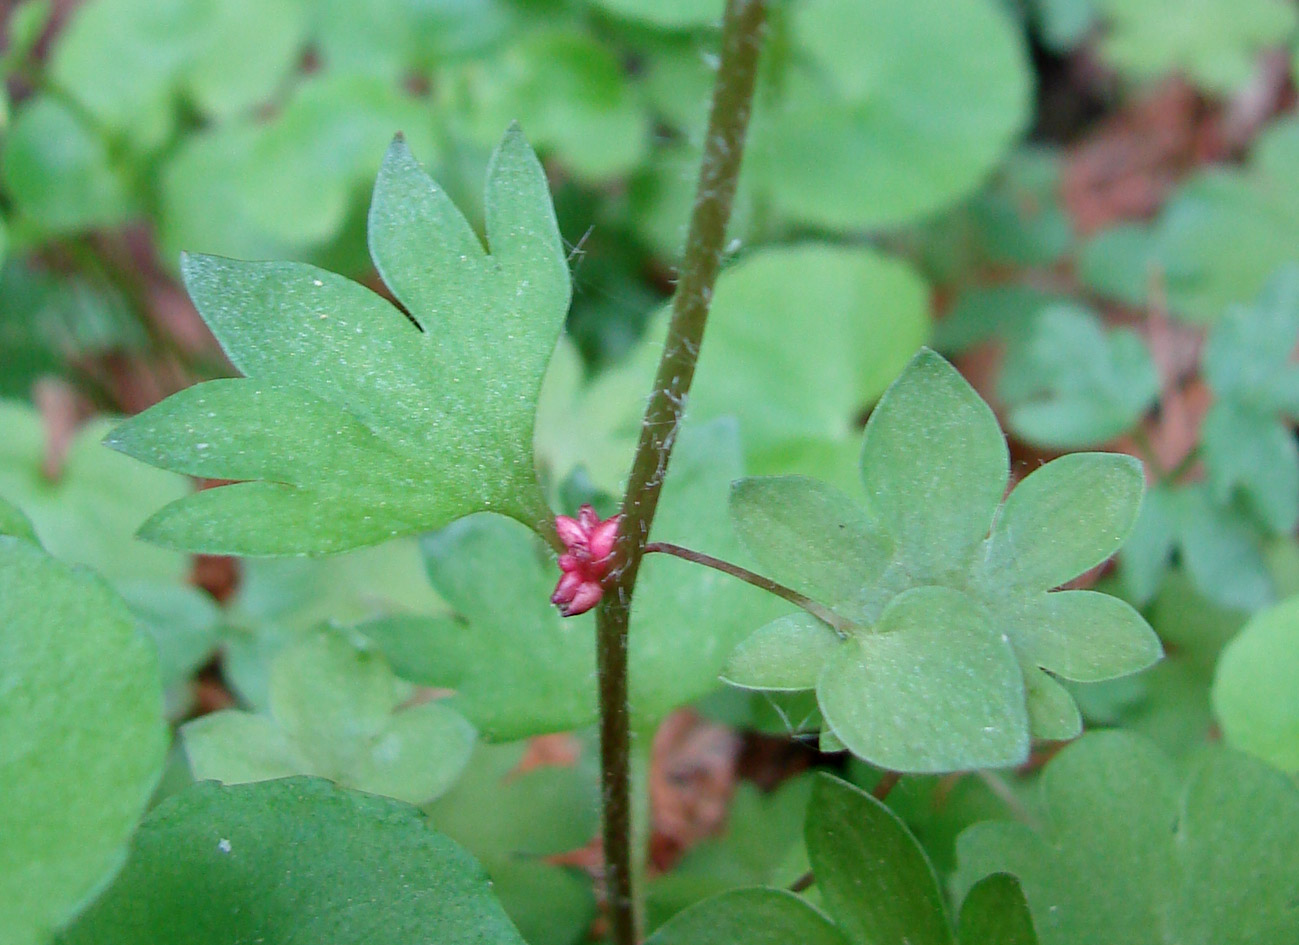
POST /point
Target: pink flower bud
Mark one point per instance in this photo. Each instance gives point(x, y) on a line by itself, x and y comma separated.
point(587, 561)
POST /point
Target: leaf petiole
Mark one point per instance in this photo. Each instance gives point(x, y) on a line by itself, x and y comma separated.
point(840, 625)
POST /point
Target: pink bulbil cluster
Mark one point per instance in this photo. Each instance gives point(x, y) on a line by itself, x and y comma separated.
point(586, 563)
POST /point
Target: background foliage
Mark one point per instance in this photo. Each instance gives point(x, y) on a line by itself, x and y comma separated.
point(1088, 206)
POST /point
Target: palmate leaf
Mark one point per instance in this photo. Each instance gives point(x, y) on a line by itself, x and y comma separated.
point(1070, 384)
point(354, 423)
point(1247, 447)
point(948, 587)
point(298, 860)
point(335, 713)
point(1209, 862)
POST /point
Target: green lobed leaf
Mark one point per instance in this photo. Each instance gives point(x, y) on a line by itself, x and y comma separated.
point(1070, 384)
point(82, 738)
point(1052, 712)
point(787, 654)
point(217, 864)
point(1083, 635)
point(89, 514)
point(1065, 518)
point(128, 63)
point(830, 543)
point(279, 601)
point(1247, 449)
point(335, 713)
point(574, 92)
point(396, 429)
point(918, 572)
point(1254, 696)
point(520, 669)
point(1220, 549)
point(517, 667)
point(1164, 864)
point(1225, 231)
point(1218, 47)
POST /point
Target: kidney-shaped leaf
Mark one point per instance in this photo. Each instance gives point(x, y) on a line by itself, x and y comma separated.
point(1130, 857)
point(82, 738)
point(297, 860)
point(356, 423)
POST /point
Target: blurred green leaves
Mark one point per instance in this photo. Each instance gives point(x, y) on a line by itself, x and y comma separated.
point(1215, 42)
point(336, 712)
point(1070, 384)
point(1165, 862)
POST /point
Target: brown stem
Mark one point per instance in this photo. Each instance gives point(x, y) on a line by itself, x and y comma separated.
point(728, 120)
point(887, 782)
point(840, 625)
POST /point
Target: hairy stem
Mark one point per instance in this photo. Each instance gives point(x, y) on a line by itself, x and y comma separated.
point(728, 120)
point(840, 625)
point(887, 782)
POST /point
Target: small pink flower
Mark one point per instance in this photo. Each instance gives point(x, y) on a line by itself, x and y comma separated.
point(586, 563)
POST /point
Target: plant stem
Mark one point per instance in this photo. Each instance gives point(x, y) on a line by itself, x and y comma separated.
point(728, 120)
point(887, 782)
point(840, 625)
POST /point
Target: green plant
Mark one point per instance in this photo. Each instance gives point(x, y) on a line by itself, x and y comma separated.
point(830, 520)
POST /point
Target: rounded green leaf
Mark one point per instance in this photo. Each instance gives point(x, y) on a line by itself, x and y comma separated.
point(749, 917)
point(59, 173)
point(289, 861)
point(936, 687)
point(1082, 635)
point(1254, 693)
point(1066, 517)
point(872, 134)
point(934, 464)
point(799, 395)
point(786, 654)
point(82, 738)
